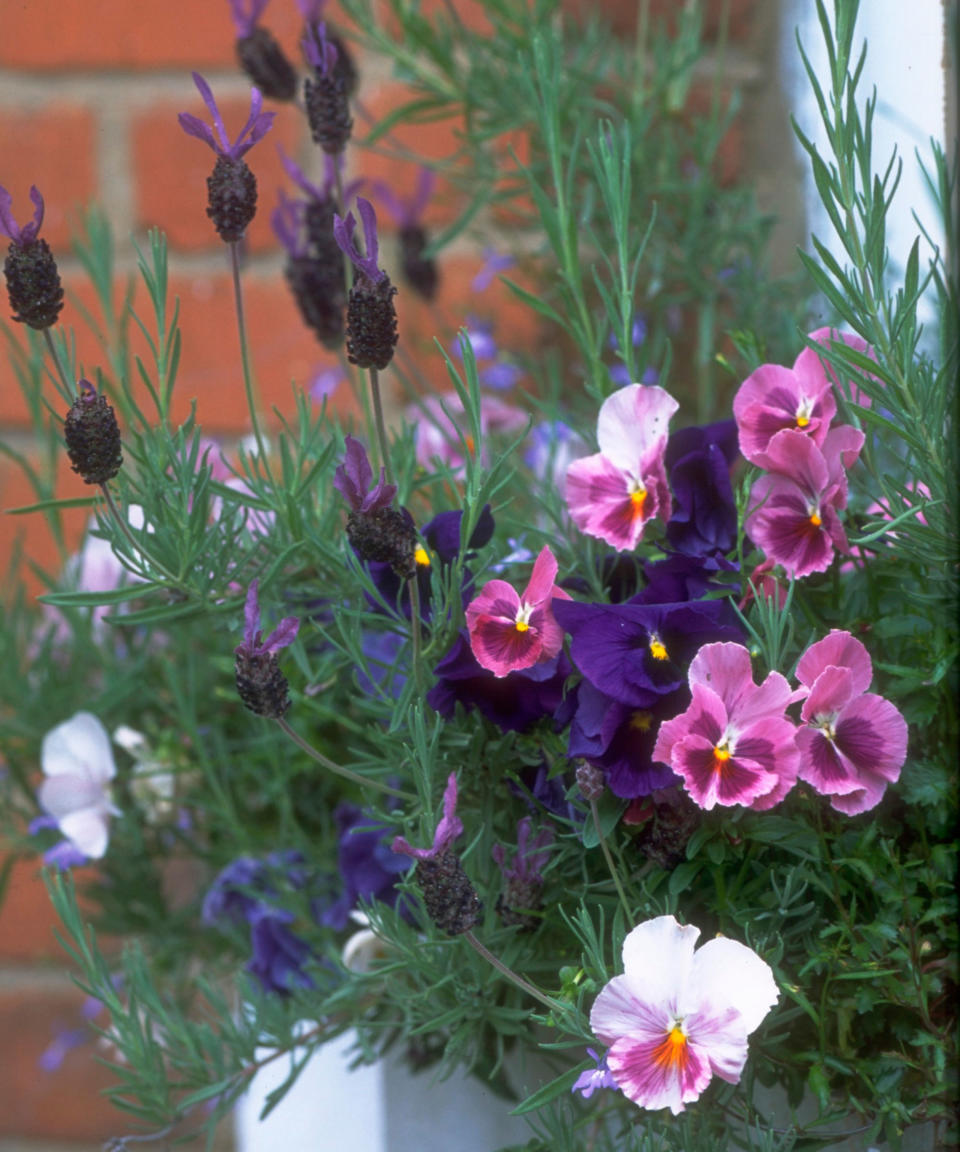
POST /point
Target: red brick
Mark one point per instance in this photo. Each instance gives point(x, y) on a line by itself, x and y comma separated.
point(171, 170)
point(728, 161)
point(65, 1104)
point(77, 34)
point(399, 155)
point(55, 149)
point(27, 918)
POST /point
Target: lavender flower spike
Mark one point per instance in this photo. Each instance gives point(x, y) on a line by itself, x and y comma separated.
point(8, 226)
point(352, 480)
point(245, 14)
point(343, 229)
point(448, 829)
point(320, 52)
point(256, 127)
point(281, 637)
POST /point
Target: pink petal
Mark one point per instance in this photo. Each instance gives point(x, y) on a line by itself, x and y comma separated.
point(725, 669)
point(541, 579)
point(842, 650)
point(862, 800)
point(598, 497)
point(632, 421)
point(500, 648)
point(709, 781)
point(831, 691)
point(873, 734)
point(496, 598)
point(823, 765)
point(645, 1077)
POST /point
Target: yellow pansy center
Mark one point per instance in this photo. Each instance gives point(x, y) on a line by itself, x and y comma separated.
point(804, 412)
point(658, 650)
point(638, 497)
point(721, 754)
point(420, 557)
point(522, 622)
point(641, 721)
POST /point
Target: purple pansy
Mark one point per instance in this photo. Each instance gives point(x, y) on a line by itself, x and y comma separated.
point(734, 744)
point(353, 478)
point(637, 653)
point(514, 702)
point(25, 235)
point(447, 830)
point(257, 125)
point(703, 521)
point(853, 743)
point(368, 866)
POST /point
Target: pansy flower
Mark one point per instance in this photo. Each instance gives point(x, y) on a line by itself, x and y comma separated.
point(703, 521)
point(637, 653)
point(78, 764)
point(441, 435)
point(734, 744)
point(615, 493)
point(678, 1017)
point(793, 508)
point(853, 743)
point(509, 632)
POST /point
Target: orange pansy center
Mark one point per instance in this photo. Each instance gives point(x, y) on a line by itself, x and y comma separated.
point(721, 754)
point(672, 1052)
point(637, 499)
point(815, 519)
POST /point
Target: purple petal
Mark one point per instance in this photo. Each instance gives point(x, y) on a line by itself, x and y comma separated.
point(194, 126)
point(282, 636)
point(251, 616)
point(8, 226)
point(207, 96)
point(64, 855)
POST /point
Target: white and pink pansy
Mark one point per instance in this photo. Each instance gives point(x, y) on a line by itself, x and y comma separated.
point(614, 494)
point(853, 743)
point(510, 632)
point(77, 761)
point(678, 1017)
point(734, 744)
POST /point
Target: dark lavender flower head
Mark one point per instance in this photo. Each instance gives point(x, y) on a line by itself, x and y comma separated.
point(281, 637)
point(343, 230)
point(368, 866)
point(449, 828)
point(257, 125)
point(531, 856)
point(407, 213)
point(514, 702)
point(245, 14)
point(637, 653)
point(353, 477)
point(8, 226)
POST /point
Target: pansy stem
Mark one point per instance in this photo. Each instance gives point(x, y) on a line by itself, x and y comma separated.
point(610, 862)
point(234, 246)
point(525, 986)
point(378, 419)
point(338, 769)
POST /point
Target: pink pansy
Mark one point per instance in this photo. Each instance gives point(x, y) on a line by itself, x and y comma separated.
point(440, 422)
point(509, 632)
point(77, 761)
point(773, 398)
point(613, 494)
point(793, 508)
point(678, 1017)
point(734, 744)
point(810, 361)
point(854, 742)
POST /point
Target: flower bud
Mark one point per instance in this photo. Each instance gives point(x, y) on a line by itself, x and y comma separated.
point(92, 436)
point(451, 900)
point(420, 273)
point(371, 323)
point(231, 197)
point(387, 536)
point(590, 781)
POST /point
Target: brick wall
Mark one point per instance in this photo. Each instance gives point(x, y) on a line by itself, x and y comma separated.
point(89, 91)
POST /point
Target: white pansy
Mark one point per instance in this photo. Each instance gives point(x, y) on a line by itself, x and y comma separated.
point(77, 761)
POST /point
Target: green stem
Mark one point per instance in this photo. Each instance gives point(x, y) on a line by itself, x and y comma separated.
point(525, 986)
point(415, 629)
point(61, 371)
point(138, 551)
point(338, 769)
point(610, 862)
point(248, 385)
point(381, 426)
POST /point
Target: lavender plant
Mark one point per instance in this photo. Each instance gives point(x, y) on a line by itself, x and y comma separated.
point(712, 711)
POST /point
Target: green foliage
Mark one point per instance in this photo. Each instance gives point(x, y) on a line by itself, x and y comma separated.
point(616, 213)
